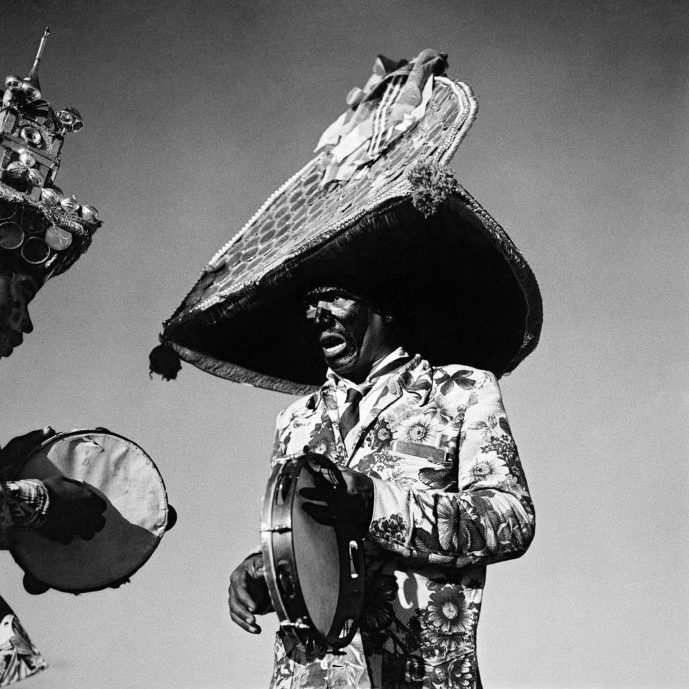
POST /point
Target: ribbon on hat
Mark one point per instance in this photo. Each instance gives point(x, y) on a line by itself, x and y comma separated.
point(391, 102)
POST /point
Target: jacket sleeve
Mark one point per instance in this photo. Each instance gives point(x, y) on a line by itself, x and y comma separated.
point(23, 508)
point(490, 518)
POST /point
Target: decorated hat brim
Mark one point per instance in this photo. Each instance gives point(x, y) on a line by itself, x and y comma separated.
point(35, 217)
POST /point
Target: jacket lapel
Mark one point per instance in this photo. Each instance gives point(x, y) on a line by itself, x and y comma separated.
point(413, 383)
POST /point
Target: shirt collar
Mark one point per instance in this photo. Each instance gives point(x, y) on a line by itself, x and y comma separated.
point(389, 363)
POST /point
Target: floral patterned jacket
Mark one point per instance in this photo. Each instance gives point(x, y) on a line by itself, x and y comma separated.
point(19, 658)
point(450, 497)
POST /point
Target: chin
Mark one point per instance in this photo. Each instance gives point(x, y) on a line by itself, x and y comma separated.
point(8, 345)
point(344, 364)
point(351, 371)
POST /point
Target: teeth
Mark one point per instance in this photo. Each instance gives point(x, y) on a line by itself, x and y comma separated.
point(334, 350)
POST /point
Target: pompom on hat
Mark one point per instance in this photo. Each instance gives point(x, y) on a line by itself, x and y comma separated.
point(42, 230)
point(377, 212)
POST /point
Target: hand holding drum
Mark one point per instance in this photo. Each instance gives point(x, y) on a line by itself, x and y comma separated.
point(311, 563)
point(248, 593)
point(74, 508)
point(107, 509)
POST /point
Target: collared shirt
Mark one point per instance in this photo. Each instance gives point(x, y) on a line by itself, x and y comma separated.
point(388, 365)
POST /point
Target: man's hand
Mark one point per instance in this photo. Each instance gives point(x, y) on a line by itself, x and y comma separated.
point(346, 502)
point(249, 594)
point(75, 509)
point(19, 448)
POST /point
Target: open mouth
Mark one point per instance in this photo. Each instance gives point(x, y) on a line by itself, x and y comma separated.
point(332, 344)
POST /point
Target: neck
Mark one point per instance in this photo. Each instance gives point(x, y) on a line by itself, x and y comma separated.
point(358, 378)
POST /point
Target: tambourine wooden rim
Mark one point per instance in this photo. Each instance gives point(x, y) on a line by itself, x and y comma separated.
point(280, 560)
point(168, 522)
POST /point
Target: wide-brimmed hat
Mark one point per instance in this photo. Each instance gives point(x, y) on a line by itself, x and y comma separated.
point(377, 212)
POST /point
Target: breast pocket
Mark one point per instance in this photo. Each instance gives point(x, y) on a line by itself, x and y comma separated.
point(431, 466)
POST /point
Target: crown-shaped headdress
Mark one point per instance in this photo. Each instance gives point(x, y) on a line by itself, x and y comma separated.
point(46, 230)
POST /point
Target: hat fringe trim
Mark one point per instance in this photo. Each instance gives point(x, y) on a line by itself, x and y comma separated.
point(239, 374)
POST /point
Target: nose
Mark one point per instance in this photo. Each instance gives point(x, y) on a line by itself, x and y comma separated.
point(322, 316)
point(27, 325)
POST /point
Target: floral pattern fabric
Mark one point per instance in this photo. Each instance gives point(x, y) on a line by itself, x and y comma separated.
point(19, 658)
point(450, 498)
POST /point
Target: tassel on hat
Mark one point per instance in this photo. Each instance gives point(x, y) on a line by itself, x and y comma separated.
point(431, 183)
point(164, 361)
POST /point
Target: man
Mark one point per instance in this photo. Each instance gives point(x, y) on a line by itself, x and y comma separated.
point(433, 446)
point(392, 257)
point(58, 508)
point(42, 233)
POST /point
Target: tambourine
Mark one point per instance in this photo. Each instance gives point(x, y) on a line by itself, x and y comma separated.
point(314, 572)
point(136, 517)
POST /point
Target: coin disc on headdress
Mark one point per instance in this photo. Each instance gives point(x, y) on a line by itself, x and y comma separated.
point(11, 235)
point(35, 251)
point(379, 212)
point(57, 238)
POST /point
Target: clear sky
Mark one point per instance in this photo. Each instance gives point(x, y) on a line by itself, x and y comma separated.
point(195, 112)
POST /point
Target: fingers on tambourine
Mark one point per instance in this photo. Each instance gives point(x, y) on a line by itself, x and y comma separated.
point(319, 494)
point(98, 505)
point(23, 445)
point(319, 513)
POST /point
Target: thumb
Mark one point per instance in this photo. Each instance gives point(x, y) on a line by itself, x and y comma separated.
point(20, 446)
point(38, 436)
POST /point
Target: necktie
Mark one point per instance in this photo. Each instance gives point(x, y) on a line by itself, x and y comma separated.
point(350, 416)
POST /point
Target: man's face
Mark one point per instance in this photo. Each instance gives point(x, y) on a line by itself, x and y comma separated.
point(17, 289)
point(352, 336)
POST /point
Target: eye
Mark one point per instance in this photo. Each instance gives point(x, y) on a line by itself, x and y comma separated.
point(25, 290)
point(343, 303)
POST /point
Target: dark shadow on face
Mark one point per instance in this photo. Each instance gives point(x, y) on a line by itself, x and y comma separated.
point(17, 289)
point(352, 336)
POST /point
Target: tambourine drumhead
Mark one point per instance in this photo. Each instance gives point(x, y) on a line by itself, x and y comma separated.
point(317, 560)
point(135, 518)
